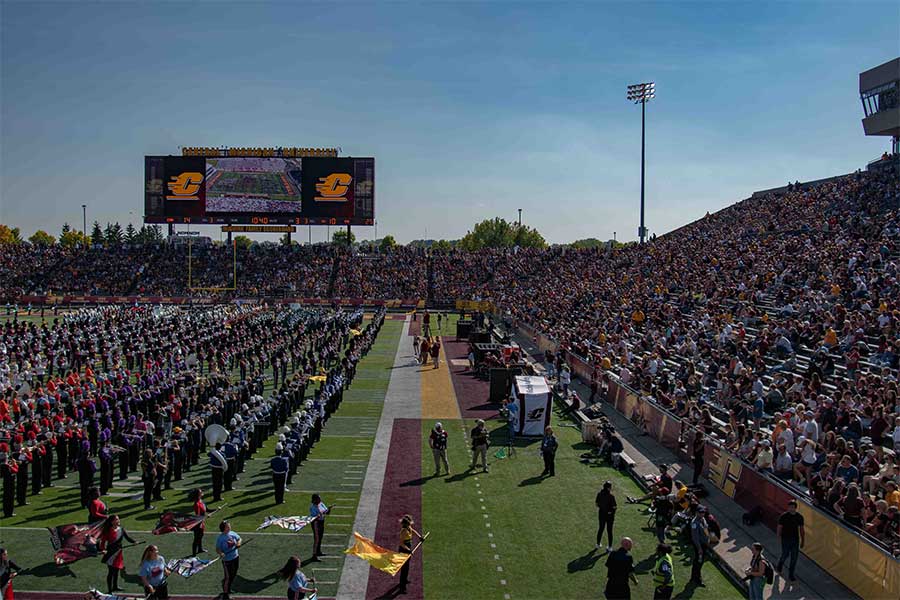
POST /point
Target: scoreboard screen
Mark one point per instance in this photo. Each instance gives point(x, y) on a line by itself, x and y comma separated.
point(259, 190)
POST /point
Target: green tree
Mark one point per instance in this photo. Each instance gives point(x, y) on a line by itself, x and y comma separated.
point(243, 242)
point(442, 246)
point(587, 243)
point(113, 234)
point(387, 243)
point(155, 234)
point(339, 237)
point(500, 233)
point(42, 238)
point(96, 235)
point(71, 239)
point(130, 234)
point(9, 235)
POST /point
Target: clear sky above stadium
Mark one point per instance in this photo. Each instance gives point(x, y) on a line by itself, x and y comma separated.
point(471, 110)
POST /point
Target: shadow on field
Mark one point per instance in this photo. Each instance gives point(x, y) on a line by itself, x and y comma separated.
point(391, 593)
point(462, 475)
point(418, 482)
point(531, 481)
point(253, 586)
point(49, 569)
point(586, 562)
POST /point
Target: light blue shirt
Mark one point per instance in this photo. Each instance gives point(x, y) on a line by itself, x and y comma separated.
point(298, 581)
point(227, 543)
point(154, 570)
point(317, 509)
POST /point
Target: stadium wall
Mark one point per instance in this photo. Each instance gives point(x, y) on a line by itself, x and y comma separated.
point(871, 571)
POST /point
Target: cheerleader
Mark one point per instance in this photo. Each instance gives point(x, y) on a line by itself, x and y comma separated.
point(298, 584)
point(111, 537)
point(200, 528)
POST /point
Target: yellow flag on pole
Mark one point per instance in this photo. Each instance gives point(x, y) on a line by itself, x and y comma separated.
point(381, 558)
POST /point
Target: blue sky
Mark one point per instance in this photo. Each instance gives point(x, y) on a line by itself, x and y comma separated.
point(472, 110)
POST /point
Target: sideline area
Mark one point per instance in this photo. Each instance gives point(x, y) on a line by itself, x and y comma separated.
point(506, 534)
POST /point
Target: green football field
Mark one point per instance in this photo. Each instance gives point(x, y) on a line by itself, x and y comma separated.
point(511, 534)
point(506, 534)
point(335, 469)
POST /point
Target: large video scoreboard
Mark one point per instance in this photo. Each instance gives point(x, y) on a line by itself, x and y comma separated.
point(272, 188)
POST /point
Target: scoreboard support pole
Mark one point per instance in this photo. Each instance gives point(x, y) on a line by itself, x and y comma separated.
point(349, 242)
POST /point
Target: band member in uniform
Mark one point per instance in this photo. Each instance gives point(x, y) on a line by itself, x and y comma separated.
point(148, 476)
point(22, 478)
point(279, 474)
point(227, 545)
point(8, 471)
point(318, 510)
point(154, 574)
point(96, 507)
point(298, 584)
point(218, 464)
point(200, 528)
point(8, 570)
point(86, 469)
point(406, 534)
point(111, 537)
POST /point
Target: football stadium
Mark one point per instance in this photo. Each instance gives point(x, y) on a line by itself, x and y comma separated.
point(200, 401)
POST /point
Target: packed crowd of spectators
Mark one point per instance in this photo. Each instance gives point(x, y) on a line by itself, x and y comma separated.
point(399, 273)
point(772, 324)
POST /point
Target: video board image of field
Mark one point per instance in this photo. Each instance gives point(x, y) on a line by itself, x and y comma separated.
point(259, 185)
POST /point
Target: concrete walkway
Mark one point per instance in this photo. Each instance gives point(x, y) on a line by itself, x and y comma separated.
point(733, 551)
point(401, 402)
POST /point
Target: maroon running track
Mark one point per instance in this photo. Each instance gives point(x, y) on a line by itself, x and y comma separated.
point(401, 494)
point(471, 393)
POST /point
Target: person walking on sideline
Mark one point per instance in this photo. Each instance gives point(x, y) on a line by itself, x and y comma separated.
point(699, 450)
point(548, 452)
point(479, 437)
point(663, 573)
point(700, 541)
point(756, 572)
point(606, 515)
point(793, 535)
point(619, 571)
point(438, 442)
point(436, 352)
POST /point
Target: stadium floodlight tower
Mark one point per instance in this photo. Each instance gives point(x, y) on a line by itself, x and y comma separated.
point(642, 93)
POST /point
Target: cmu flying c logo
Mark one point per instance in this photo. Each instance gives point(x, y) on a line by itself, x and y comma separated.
point(333, 188)
point(185, 186)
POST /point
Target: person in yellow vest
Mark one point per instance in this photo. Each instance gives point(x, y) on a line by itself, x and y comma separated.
point(663, 573)
point(831, 339)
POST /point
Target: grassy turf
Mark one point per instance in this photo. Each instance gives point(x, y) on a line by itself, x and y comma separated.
point(333, 469)
point(538, 538)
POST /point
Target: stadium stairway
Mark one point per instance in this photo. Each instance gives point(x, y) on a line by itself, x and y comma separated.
point(335, 269)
